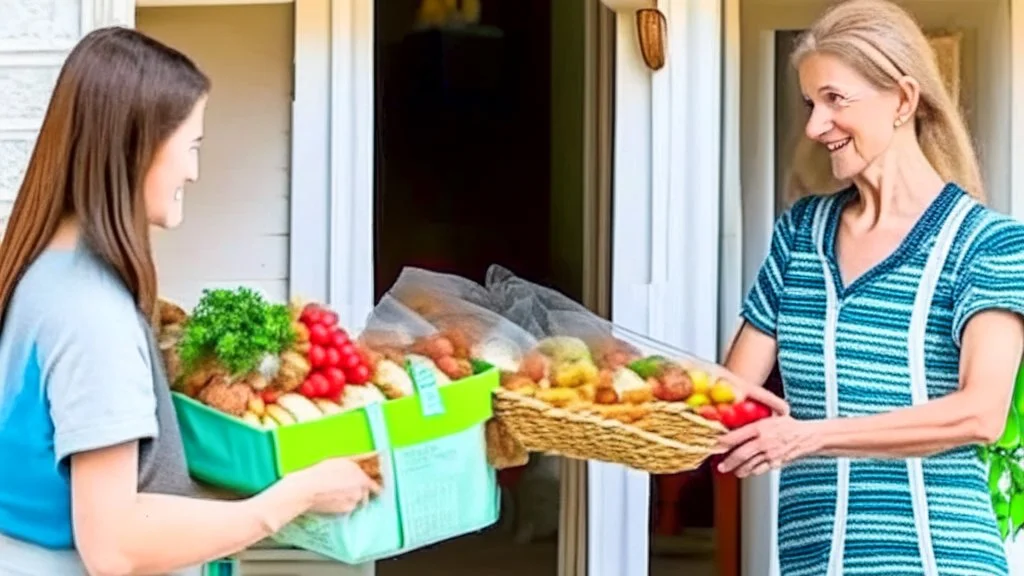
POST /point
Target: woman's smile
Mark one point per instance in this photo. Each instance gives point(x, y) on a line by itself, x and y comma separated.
point(837, 145)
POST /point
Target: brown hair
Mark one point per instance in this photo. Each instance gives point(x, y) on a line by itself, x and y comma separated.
point(119, 96)
point(882, 42)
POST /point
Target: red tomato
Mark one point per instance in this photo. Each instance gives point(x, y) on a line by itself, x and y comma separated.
point(317, 355)
point(311, 314)
point(339, 338)
point(336, 378)
point(308, 389)
point(321, 386)
point(320, 334)
point(709, 413)
point(728, 416)
point(351, 361)
point(348, 349)
point(328, 318)
point(762, 410)
point(746, 412)
point(332, 358)
point(269, 396)
point(358, 375)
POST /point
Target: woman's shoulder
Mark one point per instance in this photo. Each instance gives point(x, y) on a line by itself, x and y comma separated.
point(987, 232)
point(802, 214)
point(73, 289)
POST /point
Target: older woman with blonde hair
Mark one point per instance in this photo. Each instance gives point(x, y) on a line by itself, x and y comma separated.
point(893, 306)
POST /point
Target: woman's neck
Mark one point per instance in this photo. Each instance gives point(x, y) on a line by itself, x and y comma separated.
point(67, 234)
point(899, 185)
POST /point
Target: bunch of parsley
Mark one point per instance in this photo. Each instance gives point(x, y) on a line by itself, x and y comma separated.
point(237, 328)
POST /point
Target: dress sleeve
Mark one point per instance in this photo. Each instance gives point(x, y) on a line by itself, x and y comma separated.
point(761, 306)
point(95, 367)
point(991, 276)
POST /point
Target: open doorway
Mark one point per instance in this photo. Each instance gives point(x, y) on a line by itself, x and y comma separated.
point(479, 160)
point(481, 157)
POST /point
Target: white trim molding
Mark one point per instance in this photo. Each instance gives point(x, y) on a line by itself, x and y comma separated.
point(309, 250)
point(666, 209)
point(176, 3)
point(351, 280)
point(332, 161)
point(110, 13)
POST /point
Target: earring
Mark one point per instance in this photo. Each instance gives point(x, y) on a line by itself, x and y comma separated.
point(178, 194)
point(899, 122)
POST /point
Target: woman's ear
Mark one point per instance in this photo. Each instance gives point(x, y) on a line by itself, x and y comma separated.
point(910, 96)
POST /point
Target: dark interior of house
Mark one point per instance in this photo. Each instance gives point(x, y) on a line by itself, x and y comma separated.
point(463, 126)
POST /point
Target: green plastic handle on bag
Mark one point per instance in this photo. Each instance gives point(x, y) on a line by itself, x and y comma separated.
point(423, 378)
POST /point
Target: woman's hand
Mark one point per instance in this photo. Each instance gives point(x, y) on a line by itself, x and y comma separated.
point(121, 531)
point(766, 444)
point(336, 486)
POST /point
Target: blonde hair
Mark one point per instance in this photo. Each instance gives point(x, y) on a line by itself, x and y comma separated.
point(883, 43)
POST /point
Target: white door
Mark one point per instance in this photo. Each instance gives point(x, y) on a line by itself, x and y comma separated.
point(763, 120)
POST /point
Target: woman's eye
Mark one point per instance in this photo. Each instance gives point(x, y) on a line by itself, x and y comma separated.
point(836, 98)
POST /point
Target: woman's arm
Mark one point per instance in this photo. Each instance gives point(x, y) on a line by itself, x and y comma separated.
point(993, 343)
point(120, 532)
point(992, 347)
point(752, 355)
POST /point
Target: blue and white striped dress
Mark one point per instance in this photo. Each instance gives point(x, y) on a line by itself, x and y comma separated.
point(861, 349)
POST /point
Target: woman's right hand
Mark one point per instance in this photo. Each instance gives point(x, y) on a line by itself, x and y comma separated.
point(335, 486)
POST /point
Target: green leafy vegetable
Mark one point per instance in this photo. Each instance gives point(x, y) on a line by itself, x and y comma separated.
point(1006, 487)
point(1005, 460)
point(237, 328)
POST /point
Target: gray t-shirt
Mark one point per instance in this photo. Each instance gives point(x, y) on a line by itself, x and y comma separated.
point(79, 370)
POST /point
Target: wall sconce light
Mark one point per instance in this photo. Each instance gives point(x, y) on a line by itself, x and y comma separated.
point(651, 30)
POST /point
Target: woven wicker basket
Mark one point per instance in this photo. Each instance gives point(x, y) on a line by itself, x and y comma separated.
point(666, 440)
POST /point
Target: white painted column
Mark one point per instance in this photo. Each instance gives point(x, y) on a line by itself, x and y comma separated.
point(35, 38)
point(351, 278)
point(666, 226)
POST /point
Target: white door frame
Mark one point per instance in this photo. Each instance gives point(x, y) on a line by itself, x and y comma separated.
point(666, 207)
point(332, 160)
point(748, 193)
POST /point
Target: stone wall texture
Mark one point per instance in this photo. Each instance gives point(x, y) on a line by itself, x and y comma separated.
point(35, 37)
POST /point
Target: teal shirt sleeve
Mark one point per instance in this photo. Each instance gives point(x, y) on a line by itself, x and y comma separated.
point(761, 306)
point(991, 277)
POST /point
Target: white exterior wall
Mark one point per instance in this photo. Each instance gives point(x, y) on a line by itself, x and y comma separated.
point(35, 38)
point(236, 229)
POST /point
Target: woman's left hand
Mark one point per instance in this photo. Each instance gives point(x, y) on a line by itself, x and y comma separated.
point(766, 444)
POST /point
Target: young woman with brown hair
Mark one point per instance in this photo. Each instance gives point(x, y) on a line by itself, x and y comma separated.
point(94, 477)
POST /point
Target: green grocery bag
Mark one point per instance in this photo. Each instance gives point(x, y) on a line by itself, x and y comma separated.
point(369, 532)
point(1006, 467)
point(437, 483)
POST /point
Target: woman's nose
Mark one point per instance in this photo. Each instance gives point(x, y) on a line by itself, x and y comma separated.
point(818, 123)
